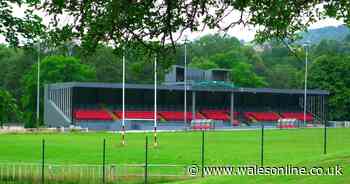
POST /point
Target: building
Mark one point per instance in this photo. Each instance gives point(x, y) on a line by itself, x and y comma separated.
point(210, 95)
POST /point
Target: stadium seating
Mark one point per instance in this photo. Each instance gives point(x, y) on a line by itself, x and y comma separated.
point(101, 115)
point(261, 116)
point(222, 115)
point(137, 115)
point(297, 115)
point(178, 115)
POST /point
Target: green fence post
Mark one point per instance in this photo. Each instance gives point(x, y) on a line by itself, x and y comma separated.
point(325, 139)
point(43, 162)
point(146, 160)
point(104, 162)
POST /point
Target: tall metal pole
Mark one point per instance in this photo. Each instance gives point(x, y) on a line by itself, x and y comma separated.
point(305, 87)
point(185, 85)
point(38, 88)
point(123, 100)
point(325, 119)
point(262, 145)
point(155, 101)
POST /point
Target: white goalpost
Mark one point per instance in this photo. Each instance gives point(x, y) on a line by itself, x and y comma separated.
point(155, 101)
point(185, 85)
point(123, 131)
point(123, 101)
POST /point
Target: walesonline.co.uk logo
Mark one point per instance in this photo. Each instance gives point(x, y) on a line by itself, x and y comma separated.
point(195, 170)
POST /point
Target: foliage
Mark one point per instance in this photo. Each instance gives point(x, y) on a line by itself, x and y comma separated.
point(107, 64)
point(244, 76)
point(9, 110)
point(215, 51)
point(17, 29)
point(14, 63)
point(53, 69)
point(209, 45)
point(122, 21)
point(283, 76)
point(332, 73)
point(118, 22)
point(203, 63)
point(140, 63)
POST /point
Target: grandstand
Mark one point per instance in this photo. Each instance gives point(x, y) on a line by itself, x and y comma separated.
point(210, 94)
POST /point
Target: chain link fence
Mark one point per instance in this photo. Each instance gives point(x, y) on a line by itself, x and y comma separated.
point(123, 173)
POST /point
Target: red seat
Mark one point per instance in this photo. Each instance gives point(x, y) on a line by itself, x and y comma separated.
point(179, 115)
point(137, 115)
point(297, 115)
point(262, 116)
point(92, 115)
point(222, 115)
point(216, 115)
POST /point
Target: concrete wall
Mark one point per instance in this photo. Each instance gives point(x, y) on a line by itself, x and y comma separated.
point(53, 115)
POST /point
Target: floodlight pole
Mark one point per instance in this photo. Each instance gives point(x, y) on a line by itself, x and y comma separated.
point(123, 100)
point(262, 145)
point(305, 87)
point(155, 101)
point(325, 119)
point(38, 88)
point(185, 85)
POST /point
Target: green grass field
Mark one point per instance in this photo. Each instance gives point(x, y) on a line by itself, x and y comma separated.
point(297, 146)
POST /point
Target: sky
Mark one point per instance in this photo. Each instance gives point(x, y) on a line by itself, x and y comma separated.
point(241, 32)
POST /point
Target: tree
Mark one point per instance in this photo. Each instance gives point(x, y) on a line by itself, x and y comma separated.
point(220, 51)
point(8, 108)
point(332, 73)
point(120, 21)
point(283, 76)
point(14, 63)
point(203, 63)
point(53, 69)
point(212, 44)
point(255, 59)
point(17, 29)
point(107, 63)
point(243, 75)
